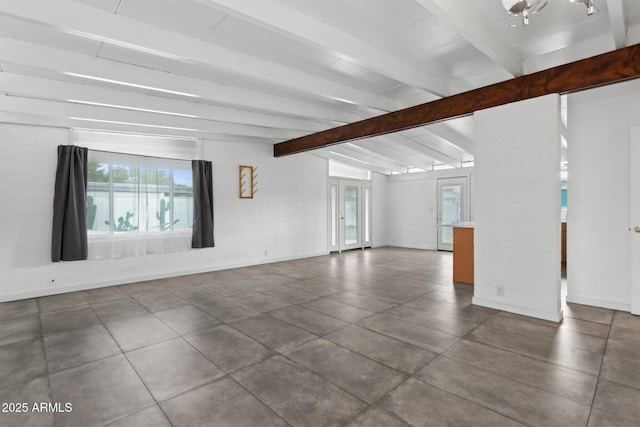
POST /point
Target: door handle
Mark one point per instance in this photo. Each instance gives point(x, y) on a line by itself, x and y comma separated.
point(637, 229)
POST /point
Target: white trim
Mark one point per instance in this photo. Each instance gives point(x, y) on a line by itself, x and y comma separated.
point(133, 279)
point(596, 302)
point(526, 311)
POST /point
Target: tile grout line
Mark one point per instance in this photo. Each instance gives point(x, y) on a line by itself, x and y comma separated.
point(123, 353)
point(595, 391)
point(46, 359)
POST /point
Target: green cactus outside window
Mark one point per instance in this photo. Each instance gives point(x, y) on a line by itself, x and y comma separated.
point(162, 215)
point(124, 224)
point(92, 208)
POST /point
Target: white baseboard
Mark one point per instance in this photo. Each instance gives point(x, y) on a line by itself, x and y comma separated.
point(525, 311)
point(37, 293)
point(595, 302)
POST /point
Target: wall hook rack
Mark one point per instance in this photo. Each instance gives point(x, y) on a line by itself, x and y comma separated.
point(247, 181)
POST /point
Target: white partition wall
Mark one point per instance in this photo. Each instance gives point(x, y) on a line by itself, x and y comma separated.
point(517, 208)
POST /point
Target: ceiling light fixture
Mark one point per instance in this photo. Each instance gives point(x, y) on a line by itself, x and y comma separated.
point(523, 8)
point(590, 4)
point(526, 8)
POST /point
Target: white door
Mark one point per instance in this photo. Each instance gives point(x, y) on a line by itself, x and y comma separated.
point(452, 209)
point(350, 214)
point(366, 214)
point(634, 230)
point(334, 215)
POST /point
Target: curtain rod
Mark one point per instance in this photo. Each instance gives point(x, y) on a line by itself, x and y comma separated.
point(138, 155)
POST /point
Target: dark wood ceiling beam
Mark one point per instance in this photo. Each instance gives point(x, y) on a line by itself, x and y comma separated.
point(613, 67)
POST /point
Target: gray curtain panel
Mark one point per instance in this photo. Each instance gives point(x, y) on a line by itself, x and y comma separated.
point(69, 238)
point(202, 205)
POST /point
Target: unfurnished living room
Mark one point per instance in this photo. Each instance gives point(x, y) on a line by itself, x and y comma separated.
point(319, 213)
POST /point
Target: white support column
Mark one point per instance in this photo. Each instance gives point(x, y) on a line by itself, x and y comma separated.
point(517, 208)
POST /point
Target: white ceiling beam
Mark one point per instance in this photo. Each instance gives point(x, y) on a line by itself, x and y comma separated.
point(94, 114)
point(470, 26)
point(618, 18)
point(368, 162)
point(325, 153)
point(392, 151)
point(370, 156)
point(433, 141)
point(286, 20)
point(405, 141)
point(444, 132)
point(96, 24)
point(38, 56)
point(60, 122)
point(54, 90)
point(436, 147)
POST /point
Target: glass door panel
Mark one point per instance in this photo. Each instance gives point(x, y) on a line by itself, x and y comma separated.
point(452, 209)
point(367, 214)
point(349, 222)
point(351, 215)
point(334, 216)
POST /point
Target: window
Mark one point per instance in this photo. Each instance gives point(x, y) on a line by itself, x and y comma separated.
point(128, 193)
point(139, 193)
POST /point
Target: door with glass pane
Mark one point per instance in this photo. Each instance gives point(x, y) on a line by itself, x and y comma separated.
point(350, 214)
point(334, 215)
point(452, 209)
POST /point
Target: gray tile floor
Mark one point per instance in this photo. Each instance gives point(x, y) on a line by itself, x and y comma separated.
point(366, 338)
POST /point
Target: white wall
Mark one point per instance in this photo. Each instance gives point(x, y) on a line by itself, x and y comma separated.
point(517, 207)
point(598, 261)
point(412, 207)
point(287, 219)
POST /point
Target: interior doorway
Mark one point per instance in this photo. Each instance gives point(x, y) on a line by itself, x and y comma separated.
point(453, 208)
point(349, 214)
point(634, 226)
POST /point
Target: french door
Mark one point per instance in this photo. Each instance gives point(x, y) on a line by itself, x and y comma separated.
point(349, 214)
point(452, 209)
point(634, 226)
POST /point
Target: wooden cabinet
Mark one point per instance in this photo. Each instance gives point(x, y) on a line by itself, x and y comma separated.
point(463, 255)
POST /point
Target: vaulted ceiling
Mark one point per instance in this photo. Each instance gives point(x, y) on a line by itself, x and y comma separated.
point(271, 70)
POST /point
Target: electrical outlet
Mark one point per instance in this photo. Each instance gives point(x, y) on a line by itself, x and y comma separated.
point(500, 291)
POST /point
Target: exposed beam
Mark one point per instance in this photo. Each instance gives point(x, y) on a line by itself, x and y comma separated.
point(96, 24)
point(470, 26)
point(55, 90)
point(60, 122)
point(39, 56)
point(350, 161)
point(369, 157)
point(415, 145)
point(436, 147)
point(96, 114)
point(435, 142)
point(297, 25)
point(444, 132)
point(622, 64)
point(618, 18)
point(397, 153)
